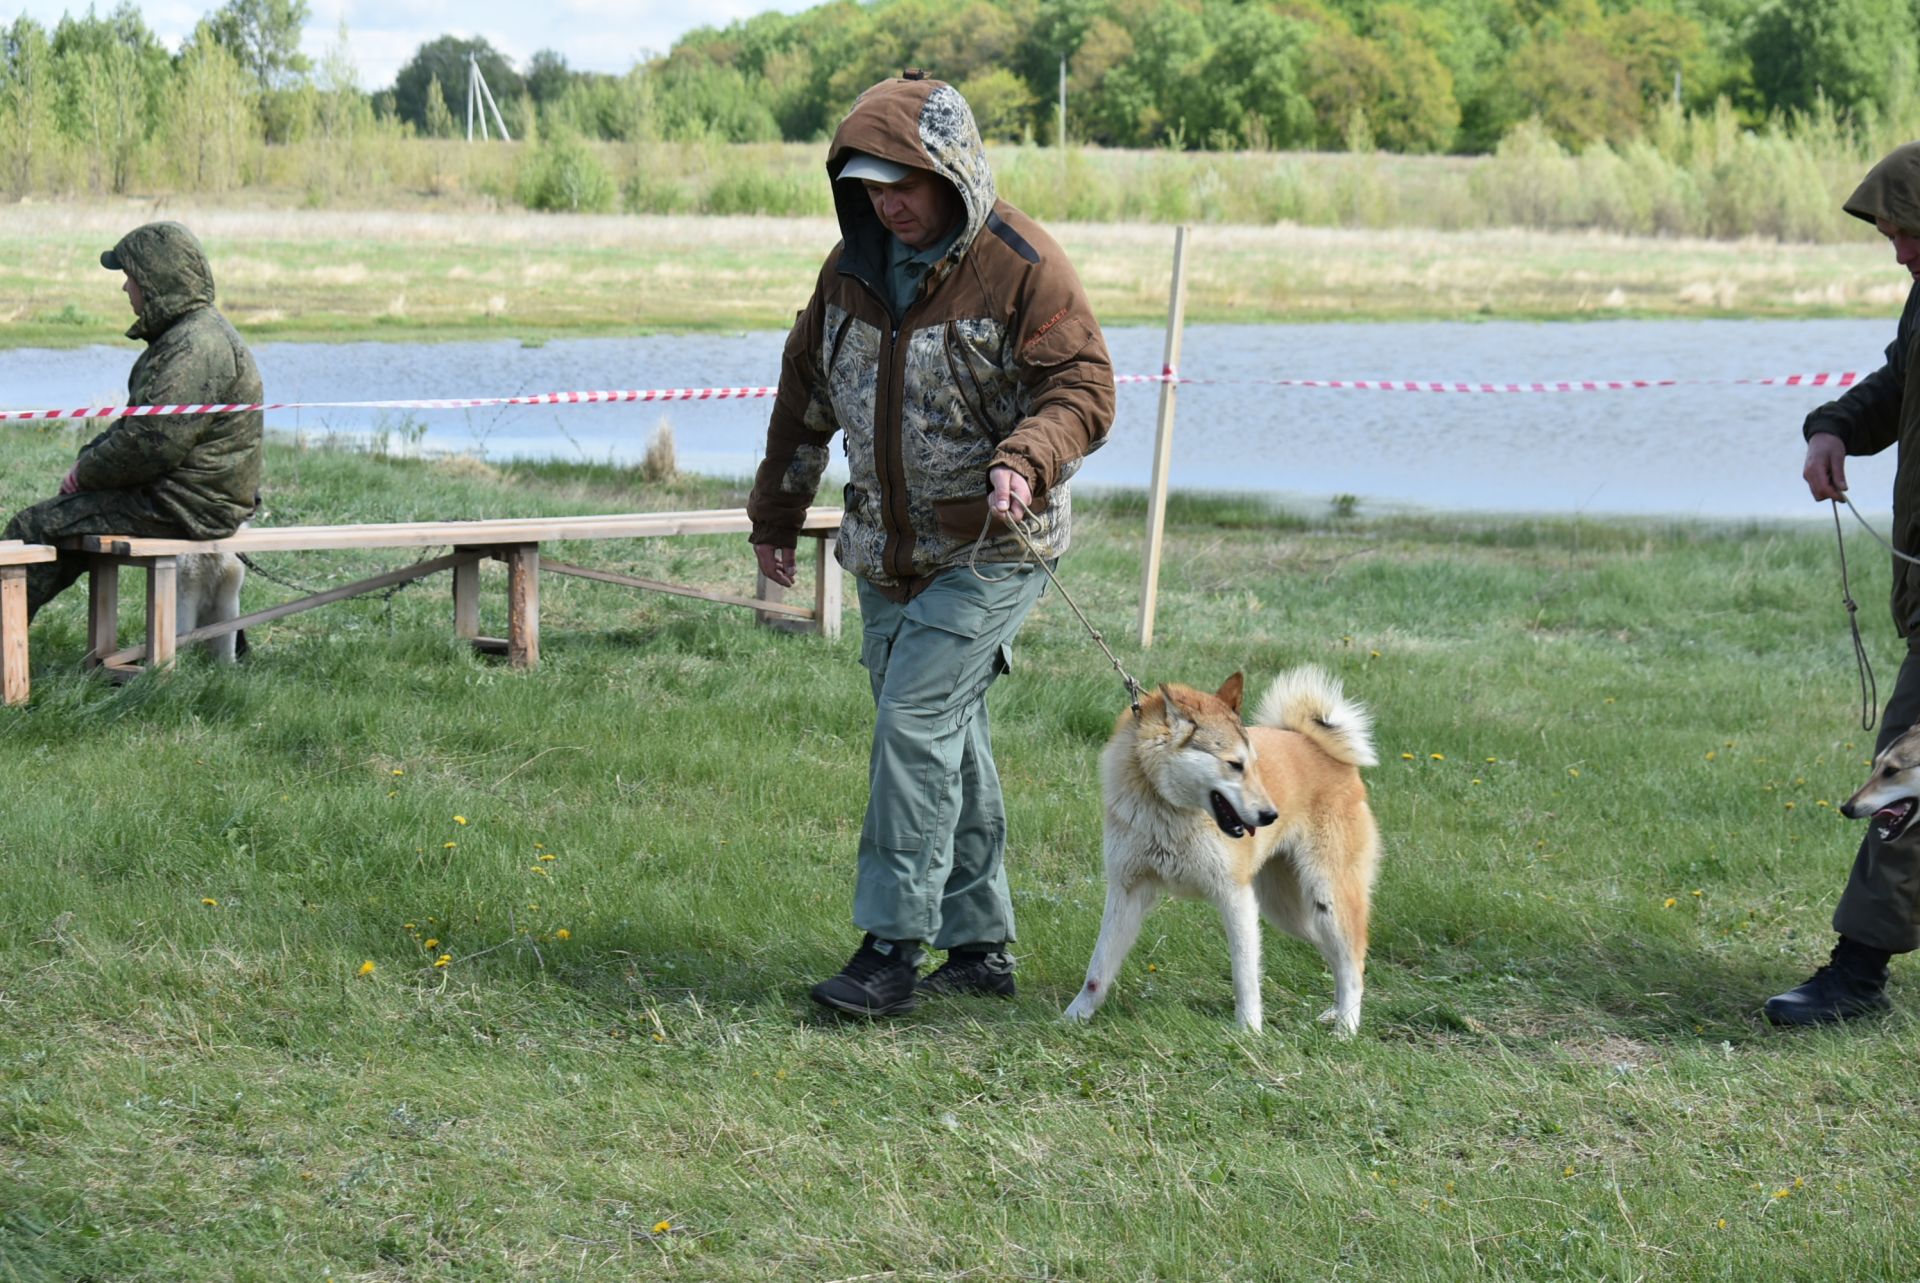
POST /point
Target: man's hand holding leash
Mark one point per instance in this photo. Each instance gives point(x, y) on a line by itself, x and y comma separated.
point(1825, 470)
point(1012, 496)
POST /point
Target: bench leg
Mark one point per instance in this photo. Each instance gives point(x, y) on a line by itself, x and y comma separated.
point(523, 605)
point(826, 589)
point(13, 634)
point(162, 602)
point(466, 600)
point(103, 609)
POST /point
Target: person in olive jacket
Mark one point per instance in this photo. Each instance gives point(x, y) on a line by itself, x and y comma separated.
point(185, 476)
point(950, 345)
point(1878, 914)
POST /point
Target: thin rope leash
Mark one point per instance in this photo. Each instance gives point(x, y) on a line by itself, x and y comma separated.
point(973, 564)
point(1869, 687)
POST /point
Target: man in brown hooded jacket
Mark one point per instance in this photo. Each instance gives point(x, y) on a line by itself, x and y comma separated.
point(187, 476)
point(1879, 912)
point(949, 341)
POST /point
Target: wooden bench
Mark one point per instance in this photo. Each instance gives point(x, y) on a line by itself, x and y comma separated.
point(15, 557)
point(515, 541)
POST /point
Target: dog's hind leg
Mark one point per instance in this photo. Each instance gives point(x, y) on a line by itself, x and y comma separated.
point(1344, 950)
point(1240, 915)
point(1127, 908)
point(226, 605)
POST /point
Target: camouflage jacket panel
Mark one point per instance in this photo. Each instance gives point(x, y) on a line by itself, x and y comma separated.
point(203, 470)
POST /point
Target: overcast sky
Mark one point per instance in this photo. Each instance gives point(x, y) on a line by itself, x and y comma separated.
point(595, 35)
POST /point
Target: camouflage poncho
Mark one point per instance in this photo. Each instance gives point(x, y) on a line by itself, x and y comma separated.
point(203, 471)
point(998, 362)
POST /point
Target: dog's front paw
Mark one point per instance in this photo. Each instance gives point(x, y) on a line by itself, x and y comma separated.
point(1079, 1012)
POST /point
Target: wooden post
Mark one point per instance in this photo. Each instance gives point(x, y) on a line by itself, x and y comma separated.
point(13, 634)
point(162, 601)
point(523, 605)
point(1163, 436)
point(826, 589)
point(466, 600)
point(103, 609)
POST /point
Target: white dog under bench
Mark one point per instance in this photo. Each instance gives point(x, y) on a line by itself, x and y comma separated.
point(515, 541)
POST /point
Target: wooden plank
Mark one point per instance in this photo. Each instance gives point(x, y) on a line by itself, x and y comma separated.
point(498, 532)
point(550, 566)
point(523, 605)
point(15, 553)
point(103, 609)
point(13, 635)
point(163, 597)
point(418, 570)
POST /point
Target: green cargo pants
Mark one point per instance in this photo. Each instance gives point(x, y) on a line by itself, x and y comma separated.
point(1881, 905)
point(90, 512)
point(932, 849)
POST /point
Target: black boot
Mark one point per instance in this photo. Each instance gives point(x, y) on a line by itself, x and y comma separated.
point(1853, 983)
point(973, 969)
point(877, 981)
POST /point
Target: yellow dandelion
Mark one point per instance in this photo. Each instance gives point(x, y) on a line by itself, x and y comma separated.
point(1574, 771)
point(549, 856)
point(448, 846)
point(1493, 759)
point(540, 869)
point(1799, 1183)
point(433, 942)
point(1153, 966)
point(1607, 700)
point(1669, 903)
point(563, 934)
point(1436, 757)
point(459, 819)
point(1712, 756)
point(1822, 802)
point(366, 968)
point(1789, 806)
point(534, 907)
point(1476, 781)
point(1568, 1171)
point(1697, 893)
point(661, 1227)
point(443, 960)
point(393, 792)
point(210, 902)
point(1721, 1223)
point(1373, 654)
point(1782, 1193)
point(398, 771)
point(659, 1037)
point(1406, 757)
point(409, 926)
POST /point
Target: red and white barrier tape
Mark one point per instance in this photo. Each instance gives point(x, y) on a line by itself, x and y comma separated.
point(630, 396)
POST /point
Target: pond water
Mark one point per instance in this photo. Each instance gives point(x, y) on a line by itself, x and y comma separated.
point(1703, 449)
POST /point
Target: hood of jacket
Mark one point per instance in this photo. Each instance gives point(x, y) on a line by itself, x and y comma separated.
point(923, 124)
point(1891, 190)
point(165, 260)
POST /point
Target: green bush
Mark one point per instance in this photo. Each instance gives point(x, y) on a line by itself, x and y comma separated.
point(563, 175)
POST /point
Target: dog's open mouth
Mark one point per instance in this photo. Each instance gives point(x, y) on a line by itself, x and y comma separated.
point(1890, 821)
point(1225, 816)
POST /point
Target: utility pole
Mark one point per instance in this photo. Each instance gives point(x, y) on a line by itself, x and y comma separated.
point(478, 95)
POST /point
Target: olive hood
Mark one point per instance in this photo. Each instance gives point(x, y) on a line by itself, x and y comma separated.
point(1891, 190)
point(165, 260)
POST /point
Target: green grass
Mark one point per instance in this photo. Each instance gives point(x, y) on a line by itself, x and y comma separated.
point(1560, 1073)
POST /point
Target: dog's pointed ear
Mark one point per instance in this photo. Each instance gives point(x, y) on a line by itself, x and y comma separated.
point(1229, 692)
point(1176, 716)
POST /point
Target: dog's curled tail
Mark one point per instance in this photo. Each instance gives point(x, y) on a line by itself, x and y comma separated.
point(1309, 700)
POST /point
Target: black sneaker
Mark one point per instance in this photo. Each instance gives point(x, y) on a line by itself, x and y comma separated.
point(877, 981)
point(970, 969)
point(1853, 983)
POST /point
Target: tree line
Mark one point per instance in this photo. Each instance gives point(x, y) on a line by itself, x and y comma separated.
point(99, 103)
